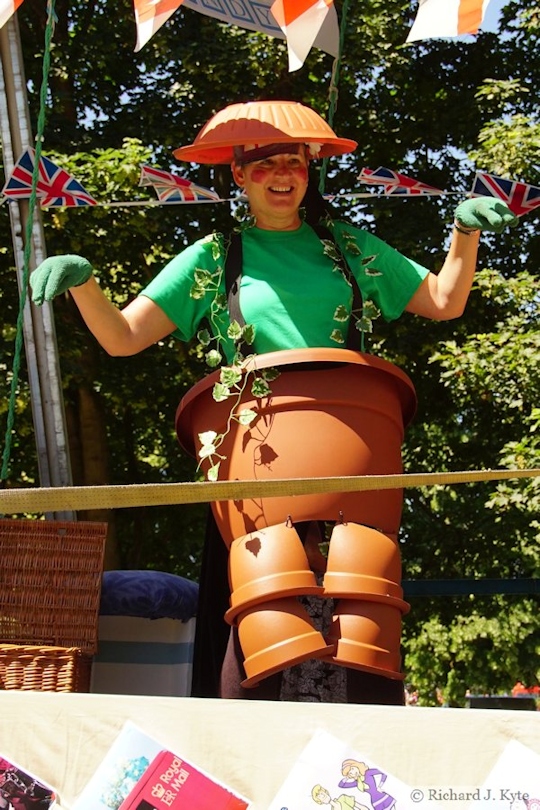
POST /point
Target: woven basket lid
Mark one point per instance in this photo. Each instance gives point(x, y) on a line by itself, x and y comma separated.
point(262, 122)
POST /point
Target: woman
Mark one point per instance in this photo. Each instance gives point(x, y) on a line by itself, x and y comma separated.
point(283, 273)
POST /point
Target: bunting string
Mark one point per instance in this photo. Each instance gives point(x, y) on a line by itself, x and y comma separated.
point(55, 187)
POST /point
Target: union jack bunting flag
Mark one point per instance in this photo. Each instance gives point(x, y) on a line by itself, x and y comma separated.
point(172, 188)
point(519, 197)
point(395, 183)
point(55, 186)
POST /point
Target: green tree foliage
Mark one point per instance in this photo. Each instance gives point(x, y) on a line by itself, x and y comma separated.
point(436, 110)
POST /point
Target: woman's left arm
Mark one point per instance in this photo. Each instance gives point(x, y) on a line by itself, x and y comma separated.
point(443, 296)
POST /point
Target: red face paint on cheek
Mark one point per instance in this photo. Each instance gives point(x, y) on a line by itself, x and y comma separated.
point(259, 175)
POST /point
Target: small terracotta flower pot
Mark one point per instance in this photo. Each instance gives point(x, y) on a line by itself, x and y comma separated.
point(367, 637)
point(331, 413)
point(268, 564)
point(276, 635)
point(363, 562)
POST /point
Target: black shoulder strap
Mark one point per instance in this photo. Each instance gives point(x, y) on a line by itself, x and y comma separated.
point(233, 274)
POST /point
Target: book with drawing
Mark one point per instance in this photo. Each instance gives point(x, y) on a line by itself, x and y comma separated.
point(22, 790)
point(329, 772)
point(140, 773)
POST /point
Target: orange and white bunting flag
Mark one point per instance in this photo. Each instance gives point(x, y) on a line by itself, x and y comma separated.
point(7, 9)
point(301, 21)
point(150, 16)
point(447, 18)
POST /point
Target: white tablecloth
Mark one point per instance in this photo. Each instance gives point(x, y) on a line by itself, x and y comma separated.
point(252, 745)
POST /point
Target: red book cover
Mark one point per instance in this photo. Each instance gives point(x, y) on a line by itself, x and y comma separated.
point(170, 781)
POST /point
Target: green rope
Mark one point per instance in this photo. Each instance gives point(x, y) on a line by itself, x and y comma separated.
point(333, 89)
point(28, 242)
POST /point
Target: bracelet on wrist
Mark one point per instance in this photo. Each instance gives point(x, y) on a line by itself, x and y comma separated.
point(465, 231)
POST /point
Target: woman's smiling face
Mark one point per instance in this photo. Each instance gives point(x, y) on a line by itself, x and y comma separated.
point(275, 187)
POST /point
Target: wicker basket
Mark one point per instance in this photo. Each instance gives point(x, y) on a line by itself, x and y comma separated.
point(45, 669)
point(50, 587)
point(50, 582)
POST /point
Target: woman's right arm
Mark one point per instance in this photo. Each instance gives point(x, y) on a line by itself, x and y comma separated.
point(121, 332)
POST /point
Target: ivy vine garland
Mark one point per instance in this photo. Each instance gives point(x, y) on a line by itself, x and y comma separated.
point(234, 378)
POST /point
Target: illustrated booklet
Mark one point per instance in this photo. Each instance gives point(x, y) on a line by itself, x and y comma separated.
point(19, 788)
point(139, 773)
point(330, 773)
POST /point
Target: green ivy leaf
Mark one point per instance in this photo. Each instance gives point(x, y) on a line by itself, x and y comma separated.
point(337, 336)
point(221, 392)
point(216, 247)
point(246, 416)
point(230, 376)
point(204, 337)
point(370, 310)
point(341, 314)
point(197, 292)
point(220, 301)
point(208, 437)
point(368, 259)
point(207, 450)
point(248, 333)
point(372, 272)
point(330, 250)
point(350, 244)
point(213, 358)
point(234, 331)
point(213, 472)
point(202, 277)
point(260, 388)
point(364, 324)
point(270, 374)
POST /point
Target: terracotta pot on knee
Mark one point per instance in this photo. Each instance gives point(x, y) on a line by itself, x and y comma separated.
point(367, 636)
point(268, 564)
point(364, 573)
point(277, 635)
point(364, 563)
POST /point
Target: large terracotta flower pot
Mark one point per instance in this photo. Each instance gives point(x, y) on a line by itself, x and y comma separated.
point(332, 412)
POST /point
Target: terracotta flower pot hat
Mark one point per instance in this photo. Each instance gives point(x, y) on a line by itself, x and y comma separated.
point(262, 123)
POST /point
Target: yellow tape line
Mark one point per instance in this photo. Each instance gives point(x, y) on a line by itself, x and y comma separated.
point(64, 499)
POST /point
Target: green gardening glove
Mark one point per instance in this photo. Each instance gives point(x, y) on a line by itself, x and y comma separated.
point(485, 214)
point(57, 274)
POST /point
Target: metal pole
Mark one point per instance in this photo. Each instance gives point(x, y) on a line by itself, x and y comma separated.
point(39, 330)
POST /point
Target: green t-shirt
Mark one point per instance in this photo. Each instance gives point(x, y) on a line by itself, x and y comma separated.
point(290, 290)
